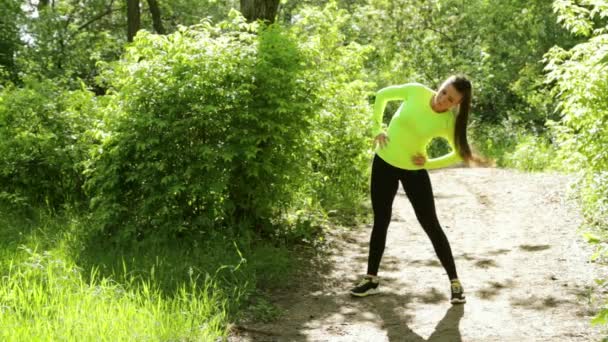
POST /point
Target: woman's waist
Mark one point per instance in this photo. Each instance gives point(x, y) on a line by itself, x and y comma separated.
point(397, 158)
point(405, 145)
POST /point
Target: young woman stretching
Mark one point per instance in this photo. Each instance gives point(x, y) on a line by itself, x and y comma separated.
point(401, 156)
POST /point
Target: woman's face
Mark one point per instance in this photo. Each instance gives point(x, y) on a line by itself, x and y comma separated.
point(447, 97)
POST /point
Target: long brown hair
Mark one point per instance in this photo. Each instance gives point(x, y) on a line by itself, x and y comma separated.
point(464, 87)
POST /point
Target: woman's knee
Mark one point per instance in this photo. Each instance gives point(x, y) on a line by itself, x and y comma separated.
point(430, 225)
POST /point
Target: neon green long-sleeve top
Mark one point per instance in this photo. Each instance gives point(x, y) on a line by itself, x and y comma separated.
point(412, 127)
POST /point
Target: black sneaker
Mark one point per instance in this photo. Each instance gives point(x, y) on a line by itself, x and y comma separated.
point(457, 292)
point(365, 288)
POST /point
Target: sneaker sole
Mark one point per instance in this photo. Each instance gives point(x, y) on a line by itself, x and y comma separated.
point(365, 294)
point(458, 301)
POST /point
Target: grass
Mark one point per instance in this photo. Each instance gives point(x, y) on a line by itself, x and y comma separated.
point(60, 282)
point(46, 298)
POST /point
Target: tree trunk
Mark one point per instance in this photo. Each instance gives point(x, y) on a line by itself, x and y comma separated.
point(43, 4)
point(156, 20)
point(133, 19)
point(265, 10)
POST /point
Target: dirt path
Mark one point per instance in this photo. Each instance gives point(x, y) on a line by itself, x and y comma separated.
point(524, 267)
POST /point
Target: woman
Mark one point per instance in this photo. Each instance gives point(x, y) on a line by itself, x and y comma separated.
point(401, 156)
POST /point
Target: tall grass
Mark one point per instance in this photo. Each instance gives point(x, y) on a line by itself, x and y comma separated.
point(47, 298)
point(60, 284)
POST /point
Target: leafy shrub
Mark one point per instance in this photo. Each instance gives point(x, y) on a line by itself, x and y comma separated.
point(532, 153)
point(494, 141)
point(517, 148)
point(43, 143)
point(207, 127)
point(581, 87)
point(341, 135)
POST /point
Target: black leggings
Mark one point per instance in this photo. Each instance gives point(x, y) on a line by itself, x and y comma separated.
point(417, 186)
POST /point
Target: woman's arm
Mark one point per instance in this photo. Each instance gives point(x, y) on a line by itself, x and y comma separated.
point(443, 161)
point(383, 96)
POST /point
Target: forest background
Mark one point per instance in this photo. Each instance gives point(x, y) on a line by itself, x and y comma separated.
point(161, 161)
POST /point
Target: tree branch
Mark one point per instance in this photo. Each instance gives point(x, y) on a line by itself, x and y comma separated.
point(109, 10)
point(451, 39)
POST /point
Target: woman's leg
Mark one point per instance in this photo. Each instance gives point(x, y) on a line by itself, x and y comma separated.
point(417, 185)
point(384, 184)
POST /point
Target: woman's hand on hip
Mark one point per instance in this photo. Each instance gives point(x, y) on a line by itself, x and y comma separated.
point(419, 159)
point(381, 139)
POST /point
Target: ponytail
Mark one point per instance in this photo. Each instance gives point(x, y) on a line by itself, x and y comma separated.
point(463, 86)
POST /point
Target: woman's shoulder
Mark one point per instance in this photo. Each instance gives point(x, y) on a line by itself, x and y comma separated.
point(423, 87)
point(407, 89)
point(413, 85)
point(417, 87)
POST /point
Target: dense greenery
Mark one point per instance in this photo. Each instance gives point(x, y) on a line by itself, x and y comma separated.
point(235, 138)
point(581, 87)
point(581, 134)
point(68, 285)
point(192, 139)
point(43, 143)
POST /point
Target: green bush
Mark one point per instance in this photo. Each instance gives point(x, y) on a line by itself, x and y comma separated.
point(581, 88)
point(494, 141)
point(43, 143)
point(532, 153)
point(341, 133)
point(207, 127)
point(513, 147)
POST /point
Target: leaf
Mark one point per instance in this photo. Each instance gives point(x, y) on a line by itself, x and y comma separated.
point(592, 238)
point(601, 317)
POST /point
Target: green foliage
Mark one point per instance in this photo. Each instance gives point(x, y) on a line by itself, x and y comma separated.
point(204, 121)
point(60, 281)
point(438, 147)
point(65, 41)
point(43, 143)
point(532, 153)
point(513, 147)
point(193, 139)
point(262, 310)
point(509, 81)
point(190, 12)
point(58, 303)
point(495, 141)
point(577, 18)
point(341, 138)
point(580, 76)
point(9, 38)
point(581, 85)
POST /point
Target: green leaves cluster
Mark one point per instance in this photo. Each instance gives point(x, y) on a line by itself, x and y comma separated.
point(43, 143)
point(580, 76)
point(65, 40)
point(581, 86)
point(219, 126)
point(9, 38)
point(342, 141)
